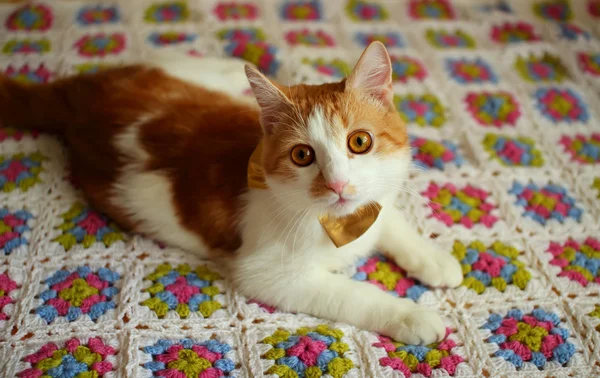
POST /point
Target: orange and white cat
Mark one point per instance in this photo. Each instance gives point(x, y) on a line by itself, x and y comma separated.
point(163, 149)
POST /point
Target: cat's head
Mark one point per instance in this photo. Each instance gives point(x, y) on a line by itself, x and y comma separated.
point(333, 147)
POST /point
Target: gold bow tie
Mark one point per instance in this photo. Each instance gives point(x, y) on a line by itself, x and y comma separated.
point(342, 230)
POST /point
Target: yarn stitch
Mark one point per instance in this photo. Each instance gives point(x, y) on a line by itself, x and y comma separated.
point(589, 63)
point(421, 359)
point(31, 17)
point(20, 171)
point(385, 274)
point(405, 68)
point(361, 10)
point(98, 15)
point(561, 105)
point(77, 292)
point(310, 38)
point(101, 44)
point(513, 151)
point(242, 34)
point(335, 68)
point(84, 226)
point(495, 265)
point(596, 185)
point(27, 75)
point(424, 110)
point(573, 32)
point(227, 11)
point(467, 206)
point(518, 32)
point(75, 358)
point(16, 134)
point(7, 285)
point(13, 226)
point(305, 11)
point(445, 39)
point(308, 352)
point(183, 290)
point(167, 13)
point(389, 39)
point(553, 10)
point(496, 109)
point(429, 153)
point(431, 10)
point(542, 204)
point(261, 54)
point(27, 46)
point(534, 337)
point(583, 149)
point(189, 358)
point(579, 262)
point(470, 71)
point(547, 68)
point(170, 38)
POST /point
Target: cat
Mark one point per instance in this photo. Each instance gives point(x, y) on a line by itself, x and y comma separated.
point(164, 149)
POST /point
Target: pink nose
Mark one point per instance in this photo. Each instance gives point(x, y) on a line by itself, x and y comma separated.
point(337, 186)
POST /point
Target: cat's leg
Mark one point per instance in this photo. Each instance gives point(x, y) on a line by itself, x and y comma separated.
point(420, 257)
point(336, 297)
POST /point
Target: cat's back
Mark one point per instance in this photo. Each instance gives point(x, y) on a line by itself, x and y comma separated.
point(175, 166)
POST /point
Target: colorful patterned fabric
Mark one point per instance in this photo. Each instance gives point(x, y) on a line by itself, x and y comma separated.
point(496, 265)
point(78, 292)
point(20, 171)
point(579, 262)
point(7, 285)
point(189, 358)
point(385, 274)
point(75, 358)
point(495, 109)
point(308, 352)
point(428, 153)
point(84, 226)
point(547, 68)
point(467, 206)
point(13, 226)
point(583, 149)
point(501, 99)
point(530, 338)
point(470, 71)
point(182, 290)
point(547, 202)
point(420, 359)
point(513, 151)
point(424, 110)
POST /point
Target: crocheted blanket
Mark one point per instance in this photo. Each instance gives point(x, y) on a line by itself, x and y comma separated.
point(501, 99)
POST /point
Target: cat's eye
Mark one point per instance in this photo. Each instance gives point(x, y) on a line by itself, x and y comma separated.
point(360, 142)
point(302, 155)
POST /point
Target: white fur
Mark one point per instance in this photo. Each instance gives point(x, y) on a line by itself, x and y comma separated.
point(220, 74)
point(147, 196)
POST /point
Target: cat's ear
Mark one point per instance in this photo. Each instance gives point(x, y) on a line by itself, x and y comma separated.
point(372, 74)
point(272, 101)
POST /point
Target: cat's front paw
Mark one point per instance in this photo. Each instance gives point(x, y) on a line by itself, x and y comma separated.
point(439, 269)
point(421, 327)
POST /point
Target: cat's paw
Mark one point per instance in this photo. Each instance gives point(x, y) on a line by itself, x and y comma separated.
point(439, 269)
point(421, 327)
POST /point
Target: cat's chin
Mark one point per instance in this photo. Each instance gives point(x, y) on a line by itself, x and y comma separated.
point(339, 210)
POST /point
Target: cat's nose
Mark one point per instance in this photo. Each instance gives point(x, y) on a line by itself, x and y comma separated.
point(337, 186)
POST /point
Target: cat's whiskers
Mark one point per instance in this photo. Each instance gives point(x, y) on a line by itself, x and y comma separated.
point(280, 235)
point(278, 214)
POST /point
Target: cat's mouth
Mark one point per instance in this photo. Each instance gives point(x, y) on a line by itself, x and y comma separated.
point(341, 205)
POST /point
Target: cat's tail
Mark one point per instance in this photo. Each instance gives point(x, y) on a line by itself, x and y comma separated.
point(31, 106)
